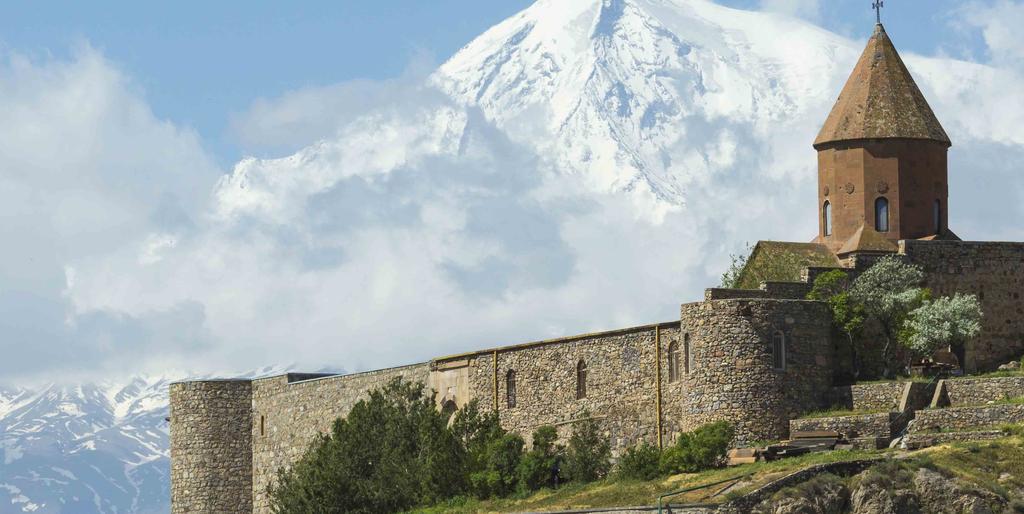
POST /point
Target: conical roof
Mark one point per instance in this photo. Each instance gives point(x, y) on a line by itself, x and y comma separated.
point(881, 100)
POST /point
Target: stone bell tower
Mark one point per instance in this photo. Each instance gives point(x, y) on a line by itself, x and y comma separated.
point(882, 169)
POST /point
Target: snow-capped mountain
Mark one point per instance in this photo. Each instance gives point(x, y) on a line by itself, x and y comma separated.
point(636, 94)
point(90, 448)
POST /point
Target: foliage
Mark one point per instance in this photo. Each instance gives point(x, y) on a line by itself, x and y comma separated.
point(889, 291)
point(945, 322)
point(641, 462)
point(500, 465)
point(539, 467)
point(483, 439)
point(731, 277)
point(393, 451)
point(588, 455)
point(848, 315)
point(701, 449)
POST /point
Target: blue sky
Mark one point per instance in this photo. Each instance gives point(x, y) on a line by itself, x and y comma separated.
point(199, 63)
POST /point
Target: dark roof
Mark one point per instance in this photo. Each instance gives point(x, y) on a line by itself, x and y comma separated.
point(881, 101)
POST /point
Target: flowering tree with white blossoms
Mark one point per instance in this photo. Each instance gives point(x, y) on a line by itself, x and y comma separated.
point(945, 322)
point(888, 292)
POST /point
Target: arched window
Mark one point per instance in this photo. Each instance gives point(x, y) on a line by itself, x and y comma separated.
point(937, 216)
point(882, 214)
point(779, 350)
point(581, 380)
point(673, 361)
point(826, 214)
point(688, 357)
point(510, 388)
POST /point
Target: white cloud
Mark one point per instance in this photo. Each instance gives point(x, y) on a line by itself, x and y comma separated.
point(999, 24)
point(84, 167)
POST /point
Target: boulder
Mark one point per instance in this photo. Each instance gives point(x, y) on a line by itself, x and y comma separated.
point(872, 499)
point(946, 495)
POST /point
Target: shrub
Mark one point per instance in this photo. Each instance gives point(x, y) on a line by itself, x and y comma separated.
point(588, 456)
point(641, 462)
point(701, 449)
point(539, 467)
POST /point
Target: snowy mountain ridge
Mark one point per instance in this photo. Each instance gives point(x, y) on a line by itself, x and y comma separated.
point(640, 95)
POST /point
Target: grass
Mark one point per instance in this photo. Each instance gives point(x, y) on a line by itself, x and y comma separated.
point(835, 413)
point(984, 464)
point(617, 493)
point(997, 466)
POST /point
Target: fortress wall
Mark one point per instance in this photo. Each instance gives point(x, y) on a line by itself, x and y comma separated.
point(211, 459)
point(992, 271)
point(620, 394)
point(870, 396)
point(979, 391)
point(287, 416)
point(734, 378)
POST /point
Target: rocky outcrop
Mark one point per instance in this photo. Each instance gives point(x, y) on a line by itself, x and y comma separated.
point(888, 488)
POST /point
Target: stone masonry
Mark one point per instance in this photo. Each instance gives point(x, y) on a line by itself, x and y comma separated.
point(735, 379)
point(211, 446)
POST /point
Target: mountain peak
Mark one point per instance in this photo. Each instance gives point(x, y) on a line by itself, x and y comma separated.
point(603, 87)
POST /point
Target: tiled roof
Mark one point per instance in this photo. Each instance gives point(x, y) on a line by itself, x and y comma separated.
point(881, 100)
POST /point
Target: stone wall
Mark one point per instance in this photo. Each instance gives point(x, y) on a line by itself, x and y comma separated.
point(862, 425)
point(979, 391)
point(958, 419)
point(787, 290)
point(211, 446)
point(621, 392)
point(718, 293)
point(287, 416)
point(924, 440)
point(877, 396)
point(734, 378)
point(992, 271)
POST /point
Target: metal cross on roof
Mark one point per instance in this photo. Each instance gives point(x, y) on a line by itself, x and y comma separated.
point(877, 6)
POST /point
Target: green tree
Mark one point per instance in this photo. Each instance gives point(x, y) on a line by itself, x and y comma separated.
point(641, 462)
point(393, 451)
point(588, 455)
point(732, 275)
point(945, 322)
point(848, 315)
point(701, 449)
point(498, 475)
point(539, 467)
point(889, 291)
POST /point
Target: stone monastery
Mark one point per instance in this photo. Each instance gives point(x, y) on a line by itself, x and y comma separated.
point(757, 358)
